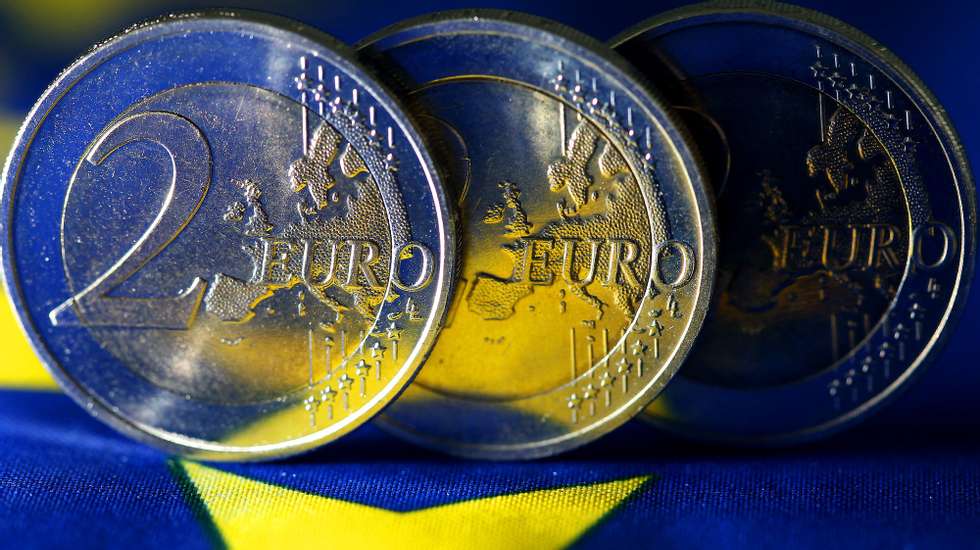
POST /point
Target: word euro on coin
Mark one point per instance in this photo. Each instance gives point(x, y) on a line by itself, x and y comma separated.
point(847, 208)
point(224, 238)
point(587, 238)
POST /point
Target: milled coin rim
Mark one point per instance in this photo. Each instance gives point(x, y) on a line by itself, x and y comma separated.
point(703, 204)
point(172, 442)
point(836, 31)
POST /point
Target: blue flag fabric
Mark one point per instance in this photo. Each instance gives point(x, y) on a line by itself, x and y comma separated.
point(69, 482)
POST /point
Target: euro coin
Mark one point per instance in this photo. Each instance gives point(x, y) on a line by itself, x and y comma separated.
point(586, 234)
point(846, 209)
point(224, 237)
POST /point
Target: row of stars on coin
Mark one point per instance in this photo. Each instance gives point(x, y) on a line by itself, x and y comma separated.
point(619, 370)
point(645, 346)
point(586, 96)
point(863, 98)
point(372, 355)
point(313, 86)
point(909, 331)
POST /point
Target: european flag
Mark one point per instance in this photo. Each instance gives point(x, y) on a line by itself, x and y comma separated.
point(910, 479)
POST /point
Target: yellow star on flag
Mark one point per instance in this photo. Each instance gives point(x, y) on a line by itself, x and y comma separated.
point(253, 514)
point(21, 369)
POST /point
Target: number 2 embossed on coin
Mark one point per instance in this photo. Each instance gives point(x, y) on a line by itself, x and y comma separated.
point(847, 209)
point(224, 237)
point(587, 240)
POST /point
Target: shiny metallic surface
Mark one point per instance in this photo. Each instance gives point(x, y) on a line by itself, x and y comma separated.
point(587, 238)
point(846, 214)
point(224, 237)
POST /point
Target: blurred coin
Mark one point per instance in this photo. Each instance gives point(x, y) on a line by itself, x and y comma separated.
point(587, 238)
point(846, 210)
point(224, 238)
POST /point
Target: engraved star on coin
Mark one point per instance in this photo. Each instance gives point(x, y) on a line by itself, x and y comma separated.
point(377, 350)
point(623, 366)
point(393, 332)
point(639, 347)
point(362, 368)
